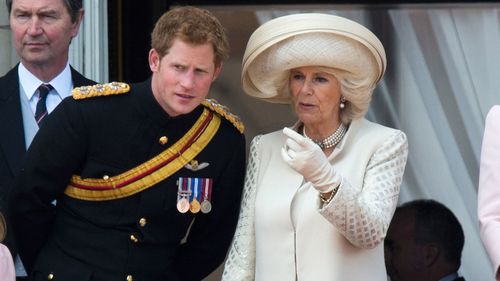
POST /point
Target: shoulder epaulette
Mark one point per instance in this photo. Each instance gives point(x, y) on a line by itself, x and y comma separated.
point(113, 88)
point(224, 111)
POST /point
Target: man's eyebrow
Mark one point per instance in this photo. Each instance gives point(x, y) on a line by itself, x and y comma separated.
point(21, 10)
point(47, 11)
point(44, 11)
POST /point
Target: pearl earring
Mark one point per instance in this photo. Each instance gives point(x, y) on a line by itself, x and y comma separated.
point(342, 102)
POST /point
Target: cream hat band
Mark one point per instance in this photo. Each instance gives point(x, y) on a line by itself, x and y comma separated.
point(309, 39)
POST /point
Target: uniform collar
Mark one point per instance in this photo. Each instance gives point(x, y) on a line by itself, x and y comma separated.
point(155, 112)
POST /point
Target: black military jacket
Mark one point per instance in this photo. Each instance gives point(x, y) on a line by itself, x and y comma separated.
point(138, 237)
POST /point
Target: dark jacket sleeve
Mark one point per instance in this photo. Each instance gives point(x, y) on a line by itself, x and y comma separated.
point(52, 158)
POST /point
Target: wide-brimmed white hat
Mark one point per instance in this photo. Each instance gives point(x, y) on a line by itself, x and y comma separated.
point(310, 39)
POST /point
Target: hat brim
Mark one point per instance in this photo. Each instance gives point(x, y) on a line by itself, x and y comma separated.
point(282, 30)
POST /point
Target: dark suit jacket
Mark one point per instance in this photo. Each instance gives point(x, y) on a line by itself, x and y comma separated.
point(12, 143)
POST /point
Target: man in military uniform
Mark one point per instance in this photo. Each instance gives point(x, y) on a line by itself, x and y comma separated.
point(147, 177)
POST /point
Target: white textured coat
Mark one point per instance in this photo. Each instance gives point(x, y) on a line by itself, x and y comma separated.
point(285, 233)
point(488, 206)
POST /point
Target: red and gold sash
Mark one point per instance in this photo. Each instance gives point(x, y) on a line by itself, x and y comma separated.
point(151, 172)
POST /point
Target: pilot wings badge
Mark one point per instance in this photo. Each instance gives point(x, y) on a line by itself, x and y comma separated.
point(193, 165)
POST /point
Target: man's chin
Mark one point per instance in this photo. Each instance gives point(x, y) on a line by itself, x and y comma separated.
point(34, 58)
point(182, 110)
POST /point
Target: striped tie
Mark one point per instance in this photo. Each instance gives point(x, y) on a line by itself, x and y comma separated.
point(41, 108)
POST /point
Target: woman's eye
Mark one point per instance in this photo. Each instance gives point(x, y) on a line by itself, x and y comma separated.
point(321, 79)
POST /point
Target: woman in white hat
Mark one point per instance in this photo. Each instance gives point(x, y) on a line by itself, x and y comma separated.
point(319, 196)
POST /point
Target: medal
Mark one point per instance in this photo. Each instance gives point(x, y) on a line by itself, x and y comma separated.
point(183, 194)
point(195, 204)
point(192, 191)
point(183, 205)
point(206, 206)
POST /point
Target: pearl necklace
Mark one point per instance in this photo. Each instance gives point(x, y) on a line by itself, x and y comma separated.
point(330, 141)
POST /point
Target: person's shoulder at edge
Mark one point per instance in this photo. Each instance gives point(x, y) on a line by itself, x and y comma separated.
point(494, 112)
point(367, 124)
point(7, 272)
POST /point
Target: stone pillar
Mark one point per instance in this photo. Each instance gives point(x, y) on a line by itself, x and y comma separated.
point(8, 57)
point(89, 50)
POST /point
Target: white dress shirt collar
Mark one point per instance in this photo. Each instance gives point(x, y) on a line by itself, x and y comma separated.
point(62, 83)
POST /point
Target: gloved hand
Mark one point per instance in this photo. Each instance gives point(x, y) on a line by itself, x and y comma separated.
point(307, 158)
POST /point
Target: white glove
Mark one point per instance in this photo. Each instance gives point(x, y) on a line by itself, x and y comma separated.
point(307, 158)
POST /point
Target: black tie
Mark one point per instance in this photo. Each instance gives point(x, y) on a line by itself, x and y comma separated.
point(41, 108)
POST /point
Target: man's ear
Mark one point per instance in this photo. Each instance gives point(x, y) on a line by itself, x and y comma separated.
point(154, 60)
point(432, 253)
point(217, 71)
point(76, 25)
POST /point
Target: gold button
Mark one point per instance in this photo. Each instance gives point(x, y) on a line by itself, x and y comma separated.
point(130, 278)
point(50, 276)
point(163, 140)
point(133, 238)
point(142, 222)
point(105, 177)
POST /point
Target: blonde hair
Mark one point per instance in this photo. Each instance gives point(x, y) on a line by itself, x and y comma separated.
point(357, 95)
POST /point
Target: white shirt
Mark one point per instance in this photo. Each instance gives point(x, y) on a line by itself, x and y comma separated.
point(29, 83)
